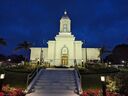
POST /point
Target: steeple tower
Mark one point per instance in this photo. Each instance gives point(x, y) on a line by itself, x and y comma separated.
point(65, 23)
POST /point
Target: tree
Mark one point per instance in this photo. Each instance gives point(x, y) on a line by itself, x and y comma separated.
point(16, 58)
point(24, 45)
point(119, 53)
point(2, 42)
point(3, 57)
point(109, 58)
point(102, 51)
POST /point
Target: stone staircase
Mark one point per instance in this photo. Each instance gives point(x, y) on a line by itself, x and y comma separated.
point(55, 82)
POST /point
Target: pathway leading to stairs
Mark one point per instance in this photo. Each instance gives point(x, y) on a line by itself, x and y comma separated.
point(55, 82)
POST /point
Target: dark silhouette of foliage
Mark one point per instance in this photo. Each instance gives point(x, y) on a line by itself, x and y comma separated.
point(16, 58)
point(119, 53)
point(24, 45)
point(2, 42)
point(3, 57)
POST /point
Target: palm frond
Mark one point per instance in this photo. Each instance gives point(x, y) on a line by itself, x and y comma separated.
point(17, 48)
point(2, 42)
point(24, 45)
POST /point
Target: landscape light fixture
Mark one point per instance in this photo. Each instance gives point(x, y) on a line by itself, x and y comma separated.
point(102, 78)
point(82, 62)
point(123, 61)
point(2, 76)
point(103, 85)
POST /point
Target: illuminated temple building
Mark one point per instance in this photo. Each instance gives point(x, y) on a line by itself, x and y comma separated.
point(64, 50)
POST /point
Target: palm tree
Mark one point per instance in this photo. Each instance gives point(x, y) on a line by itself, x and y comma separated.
point(101, 53)
point(103, 50)
point(2, 42)
point(24, 45)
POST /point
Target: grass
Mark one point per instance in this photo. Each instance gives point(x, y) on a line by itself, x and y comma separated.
point(91, 81)
point(91, 76)
point(17, 76)
point(16, 79)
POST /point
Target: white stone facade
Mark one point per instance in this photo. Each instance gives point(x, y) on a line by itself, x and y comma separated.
point(65, 50)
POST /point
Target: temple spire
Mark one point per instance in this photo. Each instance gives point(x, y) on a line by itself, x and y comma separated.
point(65, 23)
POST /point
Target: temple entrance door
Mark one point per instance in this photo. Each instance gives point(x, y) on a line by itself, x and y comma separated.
point(64, 60)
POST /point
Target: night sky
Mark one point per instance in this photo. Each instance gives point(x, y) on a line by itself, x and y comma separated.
point(96, 22)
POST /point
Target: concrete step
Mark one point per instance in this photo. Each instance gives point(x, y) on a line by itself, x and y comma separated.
point(56, 80)
point(65, 81)
point(55, 84)
point(58, 76)
point(55, 91)
point(55, 87)
point(51, 94)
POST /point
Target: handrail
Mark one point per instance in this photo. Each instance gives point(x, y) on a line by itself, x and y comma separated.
point(32, 74)
point(79, 85)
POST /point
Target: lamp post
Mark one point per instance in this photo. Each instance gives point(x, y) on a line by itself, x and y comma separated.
point(2, 76)
point(41, 56)
point(82, 62)
point(103, 85)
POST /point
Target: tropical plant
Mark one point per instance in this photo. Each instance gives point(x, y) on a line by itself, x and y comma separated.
point(111, 84)
point(2, 42)
point(24, 45)
point(103, 50)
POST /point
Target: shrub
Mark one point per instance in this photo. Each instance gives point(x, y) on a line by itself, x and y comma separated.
point(22, 68)
point(11, 91)
point(91, 92)
point(1, 70)
point(111, 84)
point(1, 94)
point(93, 70)
point(118, 83)
point(122, 81)
point(97, 92)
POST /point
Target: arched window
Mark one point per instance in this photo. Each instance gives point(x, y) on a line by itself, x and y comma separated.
point(64, 50)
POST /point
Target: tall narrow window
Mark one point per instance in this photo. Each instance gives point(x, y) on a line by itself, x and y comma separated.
point(65, 27)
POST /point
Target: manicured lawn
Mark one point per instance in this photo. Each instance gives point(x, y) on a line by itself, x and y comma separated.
point(16, 79)
point(91, 81)
point(17, 76)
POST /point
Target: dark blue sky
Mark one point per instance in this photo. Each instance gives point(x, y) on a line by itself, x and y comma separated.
point(97, 22)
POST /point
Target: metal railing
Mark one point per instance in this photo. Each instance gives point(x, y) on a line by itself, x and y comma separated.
point(79, 80)
point(32, 75)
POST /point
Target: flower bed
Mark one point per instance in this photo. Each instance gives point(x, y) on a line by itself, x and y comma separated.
point(97, 92)
point(11, 91)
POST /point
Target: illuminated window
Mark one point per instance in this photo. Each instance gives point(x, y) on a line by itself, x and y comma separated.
point(65, 27)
